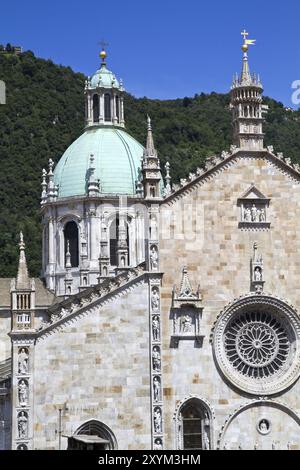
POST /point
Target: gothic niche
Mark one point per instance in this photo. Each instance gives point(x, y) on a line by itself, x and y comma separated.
point(22, 420)
point(153, 258)
point(156, 388)
point(257, 265)
point(23, 358)
point(253, 209)
point(186, 312)
point(156, 359)
point(23, 392)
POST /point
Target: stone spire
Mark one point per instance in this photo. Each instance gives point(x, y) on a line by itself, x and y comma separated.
point(23, 280)
point(150, 149)
point(150, 167)
point(246, 105)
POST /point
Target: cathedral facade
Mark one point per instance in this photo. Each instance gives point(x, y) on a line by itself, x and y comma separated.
point(167, 315)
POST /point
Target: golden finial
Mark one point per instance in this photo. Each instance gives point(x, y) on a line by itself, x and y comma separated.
point(103, 54)
point(247, 42)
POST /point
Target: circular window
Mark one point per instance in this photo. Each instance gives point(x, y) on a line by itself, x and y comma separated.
point(256, 344)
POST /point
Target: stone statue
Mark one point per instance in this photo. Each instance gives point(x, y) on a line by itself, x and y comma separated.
point(225, 446)
point(185, 324)
point(263, 426)
point(23, 393)
point(22, 425)
point(23, 361)
point(157, 420)
point(157, 444)
point(153, 258)
point(156, 389)
point(155, 328)
point(253, 213)
point(247, 214)
point(153, 227)
point(206, 441)
point(257, 274)
point(155, 299)
point(156, 358)
point(262, 217)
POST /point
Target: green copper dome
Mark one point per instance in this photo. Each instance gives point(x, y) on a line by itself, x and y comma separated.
point(104, 78)
point(117, 159)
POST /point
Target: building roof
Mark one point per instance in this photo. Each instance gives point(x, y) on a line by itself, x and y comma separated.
point(43, 297)
point(104, 78)
point(117, 157)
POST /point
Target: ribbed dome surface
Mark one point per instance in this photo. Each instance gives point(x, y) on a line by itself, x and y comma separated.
point(117, 159)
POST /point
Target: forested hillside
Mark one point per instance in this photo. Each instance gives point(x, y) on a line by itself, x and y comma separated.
point(45, 113)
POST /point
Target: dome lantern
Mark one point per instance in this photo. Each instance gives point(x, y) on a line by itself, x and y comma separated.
point(104, 97)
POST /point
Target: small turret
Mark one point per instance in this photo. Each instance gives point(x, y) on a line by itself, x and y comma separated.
point(151, 167)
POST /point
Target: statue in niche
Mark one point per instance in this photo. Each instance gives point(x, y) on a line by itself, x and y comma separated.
point(155, 328)
point(156, 358)
point(247, 214)
point(262, 217)
point(23, 393)
point(155, 299)
point(157, 444)
point(153, 228)
point(257, 274)
point(23, 361)
point(153, 257)
point(263, 426)
point(253, 213)
point(22, 425)
point(185, 324)
point(156, 388)
point(206, 442)
point(157, 420)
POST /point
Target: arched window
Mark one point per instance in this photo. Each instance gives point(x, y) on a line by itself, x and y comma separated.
point(93, 435)
point(95, 108)
point(71, 236)
point(118, 108)
point(194, 425)
point(107, 107)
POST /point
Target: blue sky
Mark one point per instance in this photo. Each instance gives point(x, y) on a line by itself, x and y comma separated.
point(163, 49)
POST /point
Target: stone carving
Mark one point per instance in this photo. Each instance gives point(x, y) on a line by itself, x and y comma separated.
point(156, 359)
point(156, 388)
point(263, 426)
point(206, 442)
point(257, 274)
point(186, 323)
point(155, 301)
point(22, 425)
point(157, 420)
point(153, 231)
point(23, 358)
point(155, 328)
point(255, 342)
point(261, 344)
point(153, 258)
point(254, 214)
point(157, 444)
point(23, 393)
point(22, 447)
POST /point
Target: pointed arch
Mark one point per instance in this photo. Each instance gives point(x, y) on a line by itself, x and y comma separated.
point(71, 238)
point(97, 436)
point(193, 424)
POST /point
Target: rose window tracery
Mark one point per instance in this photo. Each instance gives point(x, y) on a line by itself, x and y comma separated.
point(256, 344)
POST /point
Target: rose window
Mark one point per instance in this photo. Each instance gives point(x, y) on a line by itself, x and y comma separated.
point(256, 344)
